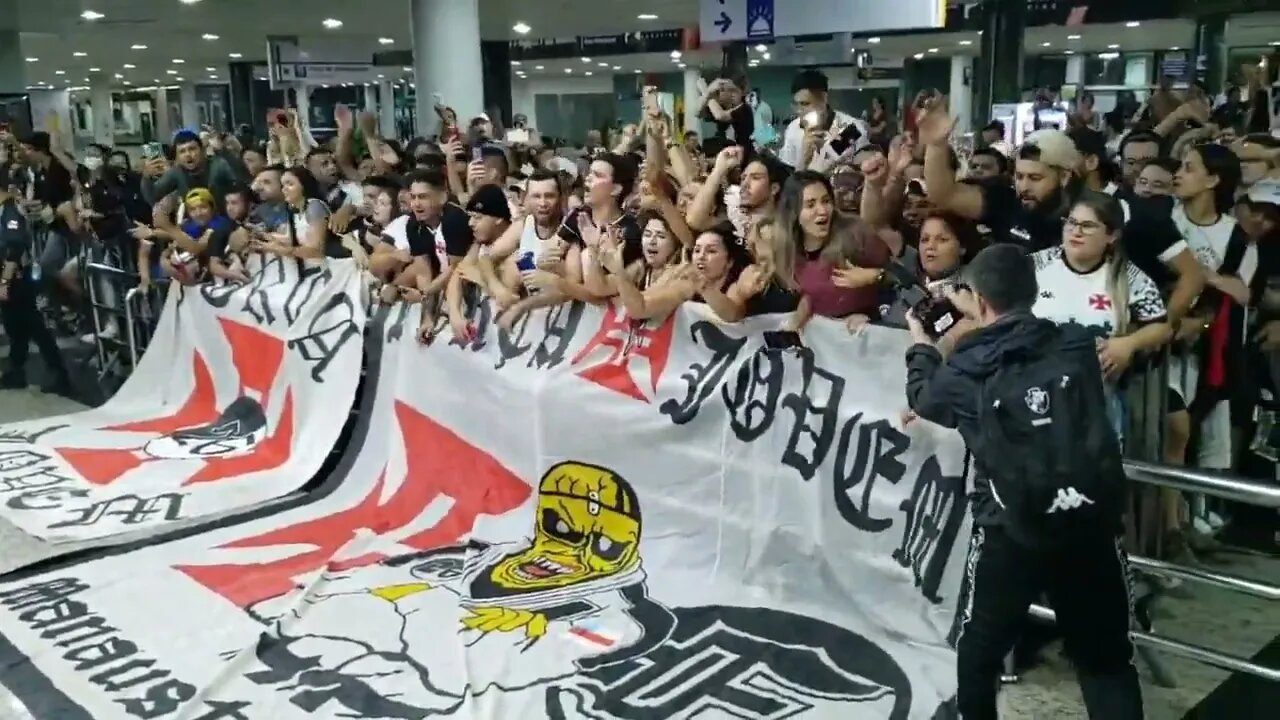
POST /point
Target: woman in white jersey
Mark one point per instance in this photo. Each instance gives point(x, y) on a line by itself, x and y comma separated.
point(1087, 280)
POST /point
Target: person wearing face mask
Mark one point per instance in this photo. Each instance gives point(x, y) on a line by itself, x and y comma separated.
point(1027, 398)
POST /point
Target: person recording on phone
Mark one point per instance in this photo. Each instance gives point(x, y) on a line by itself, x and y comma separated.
point(192, 168)
point(23, 323)
point(1027, 397)
point(724, 104)
point(807, 134)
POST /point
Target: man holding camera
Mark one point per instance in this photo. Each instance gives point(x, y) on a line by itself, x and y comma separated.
point(1027, 397)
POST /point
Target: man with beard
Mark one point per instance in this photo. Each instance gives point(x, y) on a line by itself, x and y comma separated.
point(341, 195)
point(757, 192)
point(526, 244)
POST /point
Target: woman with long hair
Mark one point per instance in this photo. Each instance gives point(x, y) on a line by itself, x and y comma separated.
point(648, 286)
point(837, 259)
point(947, 242)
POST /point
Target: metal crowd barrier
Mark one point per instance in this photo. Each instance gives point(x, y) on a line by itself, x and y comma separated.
point(1218, 485)
point(132, 313)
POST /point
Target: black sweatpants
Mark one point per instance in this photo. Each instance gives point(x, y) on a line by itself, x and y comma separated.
point(24, 324)
point(1088, 585)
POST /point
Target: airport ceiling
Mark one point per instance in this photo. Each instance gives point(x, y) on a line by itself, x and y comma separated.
point(142, 42)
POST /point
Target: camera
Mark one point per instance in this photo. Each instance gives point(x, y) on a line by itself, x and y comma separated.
point(936, 313)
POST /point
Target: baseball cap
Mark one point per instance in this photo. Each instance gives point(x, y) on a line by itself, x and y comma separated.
point(1055, 148)
point(490, 200)
point(1265, 191)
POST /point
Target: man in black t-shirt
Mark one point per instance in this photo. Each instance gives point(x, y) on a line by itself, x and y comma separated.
point(609, 182)
point(428, 242)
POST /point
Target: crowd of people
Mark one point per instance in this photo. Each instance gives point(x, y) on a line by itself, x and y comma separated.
point(1156, 231)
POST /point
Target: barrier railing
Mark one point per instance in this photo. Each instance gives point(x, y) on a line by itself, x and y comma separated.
point(1219, 485)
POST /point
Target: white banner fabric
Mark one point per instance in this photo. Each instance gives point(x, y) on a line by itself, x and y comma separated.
point(238, 400)
point(583, 518)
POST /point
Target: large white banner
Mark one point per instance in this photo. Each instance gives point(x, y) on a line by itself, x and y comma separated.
point(583, 518)
point(238, 400)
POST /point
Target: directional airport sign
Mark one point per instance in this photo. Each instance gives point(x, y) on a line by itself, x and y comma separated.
point(764, 19)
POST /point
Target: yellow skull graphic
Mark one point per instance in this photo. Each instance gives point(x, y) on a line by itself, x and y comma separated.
point(587, 527)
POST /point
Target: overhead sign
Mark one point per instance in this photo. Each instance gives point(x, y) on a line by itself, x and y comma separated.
point(521, 552)
point(327, 74)
point(240, 398)
point(764, 19)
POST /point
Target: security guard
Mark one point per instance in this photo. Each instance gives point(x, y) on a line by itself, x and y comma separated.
point(22, 321)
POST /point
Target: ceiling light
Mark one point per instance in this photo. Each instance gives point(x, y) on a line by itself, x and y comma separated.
point(646, 16)
point(753, 63)
point(966, 43)
point(234, 56)
point(189, 2)
point(637, 71)
point(129, 66)
point(762, 48)
point(918, 56)
point(1045, 44)
point(386, 41)
point(681, 66)
point(1175, 47)
point(1070, 52)
point(118, 76)
point(331, 23)
point(213, 77)
point(129, 82)
point(33, 59)
point(675, 54)
point(59, 72)
point(603, 64)
point(209, 36)
point(568, 71)
point(138, 46)
point(381, 76)
point(208, 69)
point(95, 69)
point(586, 59)
point(587, 73)
point(873, 40)
point(521, 28)
point(1073, 37)
point(766, 56)
point(178, 61)
point(172, 72)
point(406, 68)
point(933, 50)
point(539, 67)
point(1113, 46)
point(1132, 24)
point(79, 54)
point(91, 15)
point(1108, 56)
point(515, 63)
point(617, 67)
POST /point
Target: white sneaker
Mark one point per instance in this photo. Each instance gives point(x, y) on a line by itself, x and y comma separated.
point(110, 332)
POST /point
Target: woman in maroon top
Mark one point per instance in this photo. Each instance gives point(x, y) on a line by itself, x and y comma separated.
point(838, 258)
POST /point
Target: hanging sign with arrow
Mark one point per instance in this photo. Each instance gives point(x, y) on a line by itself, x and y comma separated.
point(720, 20)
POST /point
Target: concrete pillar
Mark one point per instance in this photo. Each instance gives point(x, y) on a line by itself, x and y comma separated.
point(387, 109)
point(1075, 71)
point(691, 97)
point(187, 100)
point(164, 124)
point(104, 123)
point(304, 106)
point(370, 98)
point(961, 93)
point(13, 66)
point(1211, 53)
point(999, 76)
point(447, 59)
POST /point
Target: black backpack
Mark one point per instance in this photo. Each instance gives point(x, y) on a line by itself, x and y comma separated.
point(1047, 444)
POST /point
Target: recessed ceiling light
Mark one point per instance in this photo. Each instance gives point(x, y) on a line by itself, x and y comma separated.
point(675, 54)
point(406, 68)
point(1070, 52)
point(79, 53)
point(91, 15)
point(118, 76)
point(568, 71)
point(587, 73)
point(617, 67)
point(681, 66)
point(1108, 56)
point(766, 56)
point(918, 56)
point(129, 66)
point(539, 67)
point(234, 56)
point(873, 40)
point(933, 50)
point(386, 41)
point(172, 72)
point(637, 71)
point(603, 64)
point(515, 63)
point(1175, 47)
point(521, 28)
point(59, 72)
point(1132, 24)
point(209, 36)
point(646, 16)
point(586, 59)
point(178, 61)
point(966, 43)
point(381, 76)
point(211, 69)
point(138, 46)
point(130, 82)
point(189, 2)
point(1274, 43)
point(762, 48)
point(33, 59)
point(1073, 37)
point(331, 23)
point(1045, 44)
point(1113, 46)
point(753, 63)
point(95, 69)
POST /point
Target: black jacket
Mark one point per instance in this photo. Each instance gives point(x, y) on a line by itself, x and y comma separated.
point(946, 393)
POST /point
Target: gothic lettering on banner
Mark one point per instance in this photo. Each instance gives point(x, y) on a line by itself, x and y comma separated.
point(753, 400)
point(934, 515)
point(332, 327)
point(311, 281)
point(702, 378)
point(128, 509)
point(562, 326)
point(816, 410)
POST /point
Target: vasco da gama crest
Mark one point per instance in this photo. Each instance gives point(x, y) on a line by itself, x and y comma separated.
point(560, 625)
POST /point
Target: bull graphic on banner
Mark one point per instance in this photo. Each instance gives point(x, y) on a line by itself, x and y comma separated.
point(561, 624)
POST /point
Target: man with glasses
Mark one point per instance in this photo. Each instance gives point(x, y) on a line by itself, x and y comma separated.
point(1136, 151)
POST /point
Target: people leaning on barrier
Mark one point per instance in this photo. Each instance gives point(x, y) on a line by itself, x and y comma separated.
point(227, 250)
point(609, 181)
point(490, 217)
point(23, 323)
point(180, 251)
point(654, 285)
point(424, 243)
point(1027, 397)
point(527, 244)
point(947, 242)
